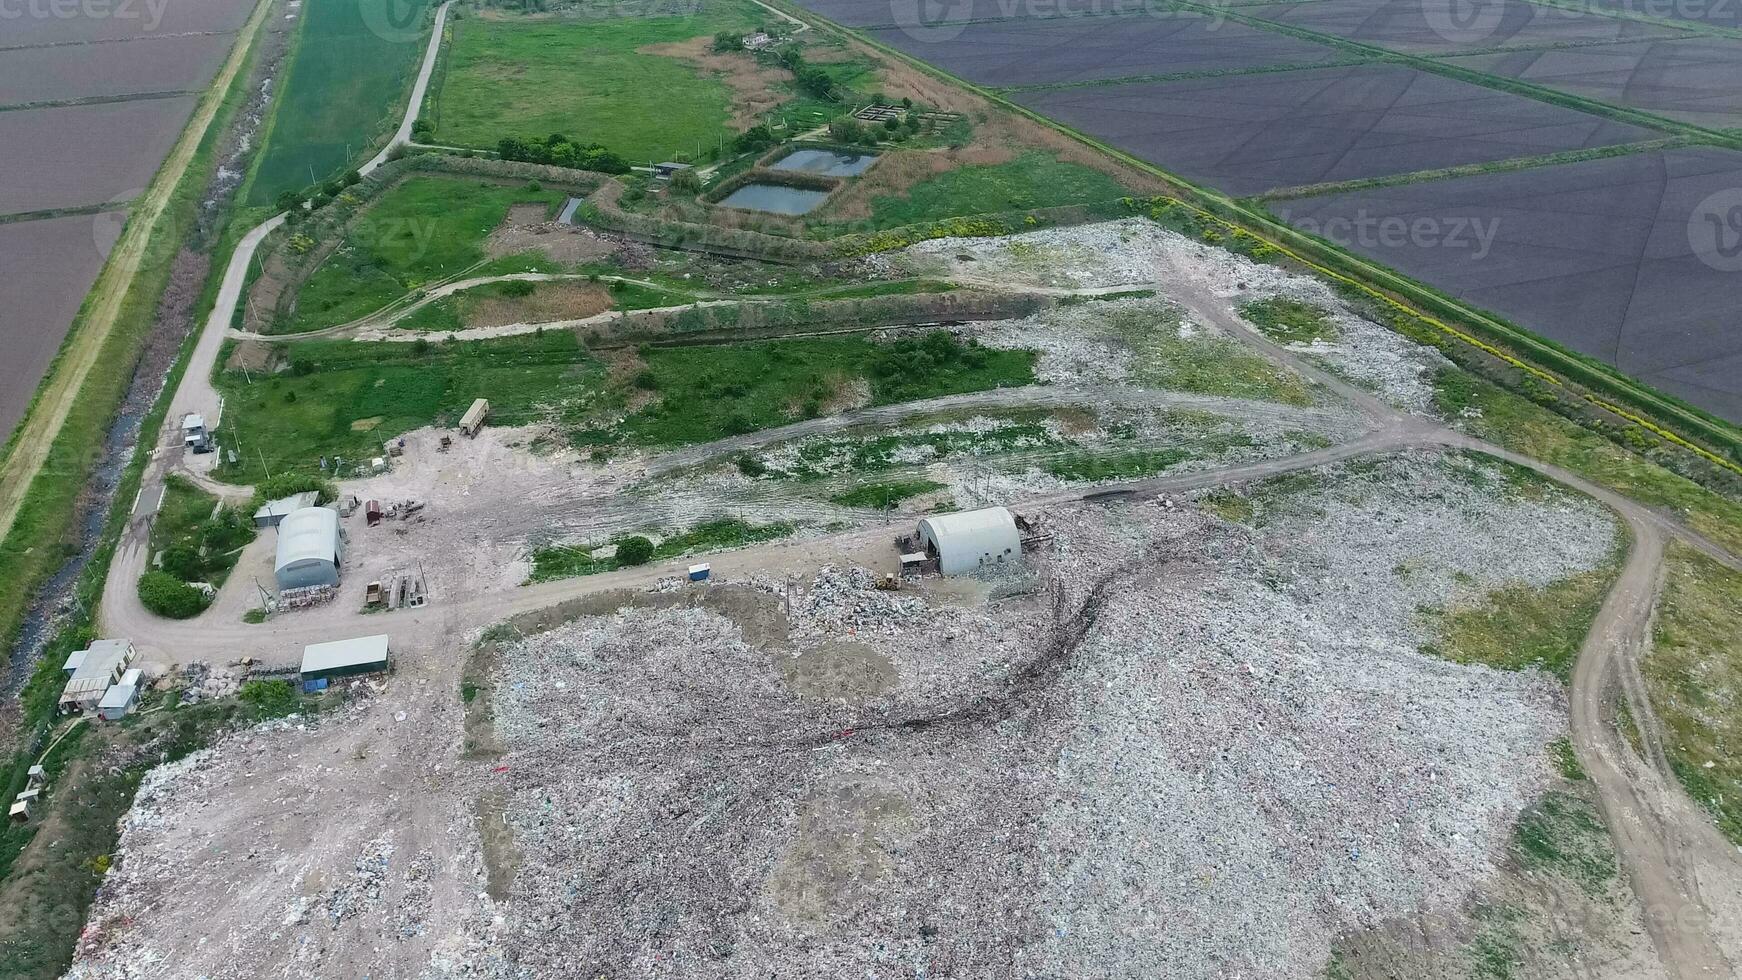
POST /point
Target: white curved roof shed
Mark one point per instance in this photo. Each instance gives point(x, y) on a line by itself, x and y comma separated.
point(310, 548)
point(971, 540)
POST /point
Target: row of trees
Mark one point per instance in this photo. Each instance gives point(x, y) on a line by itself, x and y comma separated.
point(560, 151)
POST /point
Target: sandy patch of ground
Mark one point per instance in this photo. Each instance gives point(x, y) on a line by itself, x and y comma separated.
point(549, 302)
point(525, 230)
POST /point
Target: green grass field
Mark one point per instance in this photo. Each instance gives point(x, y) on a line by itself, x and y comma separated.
point(343, 398)
point(709, 393)
point(198, 541)
point(1694, 676)
point(354, 61)
point(1032, 180)
point(585, 78)
point(724, 534)
point(422, 230)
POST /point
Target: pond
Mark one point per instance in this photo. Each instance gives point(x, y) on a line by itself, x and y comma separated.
point(829, 163)
point(775, 199)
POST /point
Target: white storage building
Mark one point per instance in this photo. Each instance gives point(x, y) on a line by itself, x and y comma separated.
point(272, 513)
point(343, 658)
point(121, 698)
point(91, 672)
point(310, 549)
point(971, 540)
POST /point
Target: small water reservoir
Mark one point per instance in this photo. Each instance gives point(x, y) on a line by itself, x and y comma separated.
point(775, 199)
point(829, 163)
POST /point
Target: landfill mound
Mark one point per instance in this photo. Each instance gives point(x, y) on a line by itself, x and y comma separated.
point(1178, 748)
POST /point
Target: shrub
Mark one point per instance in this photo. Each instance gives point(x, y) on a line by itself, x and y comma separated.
point(728, 41)
point(751, 466)
point(518, 288)
point(634, 550)
point(170, 597)
point(270, 699)
point(647, 381)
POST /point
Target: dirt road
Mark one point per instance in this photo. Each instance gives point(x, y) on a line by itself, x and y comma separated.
point(103, 308)
point(402, 136)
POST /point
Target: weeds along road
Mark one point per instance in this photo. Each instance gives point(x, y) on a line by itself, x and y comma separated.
point(36, 437)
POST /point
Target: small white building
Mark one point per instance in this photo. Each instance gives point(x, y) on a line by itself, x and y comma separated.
point(972, 540)
point(95, 671)
point(311, 547)
point(274, 512)
point(120, 698)
point(344, 658)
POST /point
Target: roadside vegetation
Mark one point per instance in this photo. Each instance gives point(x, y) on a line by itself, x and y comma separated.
point(884, 496)
point(563, 561)
point(1519, 627)
point(1694, 677)
point(422, 230)
point(1510, 420)
point(195, 542)
point(342, 94)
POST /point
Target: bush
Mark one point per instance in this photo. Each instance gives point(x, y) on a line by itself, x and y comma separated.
point(634, 550)
point(270, 699)
point(183, 562)
point(170, 597)
point(728, 41)
point(751, 466)
point(647, 381)
point(686, 181)
point(518, 288)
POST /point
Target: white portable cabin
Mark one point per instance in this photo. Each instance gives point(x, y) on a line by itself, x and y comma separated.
point(310, 549)
point(97, 668)
point(474, 418)
point(972, 540)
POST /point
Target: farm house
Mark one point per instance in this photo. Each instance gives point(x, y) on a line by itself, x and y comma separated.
point(310, 549)
point(972, 540)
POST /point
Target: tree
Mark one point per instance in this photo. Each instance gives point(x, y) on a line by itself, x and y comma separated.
point(170, 597)
point(846, 130)
point(757, 137)
point(686, 181)
point(634, 550)
point(288, 201)
point(728, 41)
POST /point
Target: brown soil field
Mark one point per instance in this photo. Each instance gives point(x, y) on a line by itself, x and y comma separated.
point(49, 266)
point(119, 22)
point(81, 155)
point(83, 71)
point(551, 301)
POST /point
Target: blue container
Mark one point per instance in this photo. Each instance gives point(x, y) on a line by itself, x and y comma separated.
point(699, 573)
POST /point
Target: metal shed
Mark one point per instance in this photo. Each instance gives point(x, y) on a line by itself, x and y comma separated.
point(310, 549)
point(971, 540)
point(343, 658)
point(271, 514)
point(121, 698)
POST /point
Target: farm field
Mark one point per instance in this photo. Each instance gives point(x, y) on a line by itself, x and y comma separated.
point(119, 22)
point(81, 71)
point(1438, 26)
point(1038, 51)
point(1695, 80)
point(589, 79)
point(49, 266)
point(1595, 255)
point(354, 62)
point(68, 157)
point(1252, 133)
point(1716, 13)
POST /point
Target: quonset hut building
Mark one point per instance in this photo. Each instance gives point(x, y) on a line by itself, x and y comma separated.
point(972, 540)
point(310, 549)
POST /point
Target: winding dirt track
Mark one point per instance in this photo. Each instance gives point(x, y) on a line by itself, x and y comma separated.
point(1679, 864)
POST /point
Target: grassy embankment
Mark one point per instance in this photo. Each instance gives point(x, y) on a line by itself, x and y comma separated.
point(196, 542)
point(423, 230)
point(1289, 321)
point(1693, 675)
point(1033, 180)
point(560, 561)
point(354, 62)
point(1511, 421)
point(587, 78)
